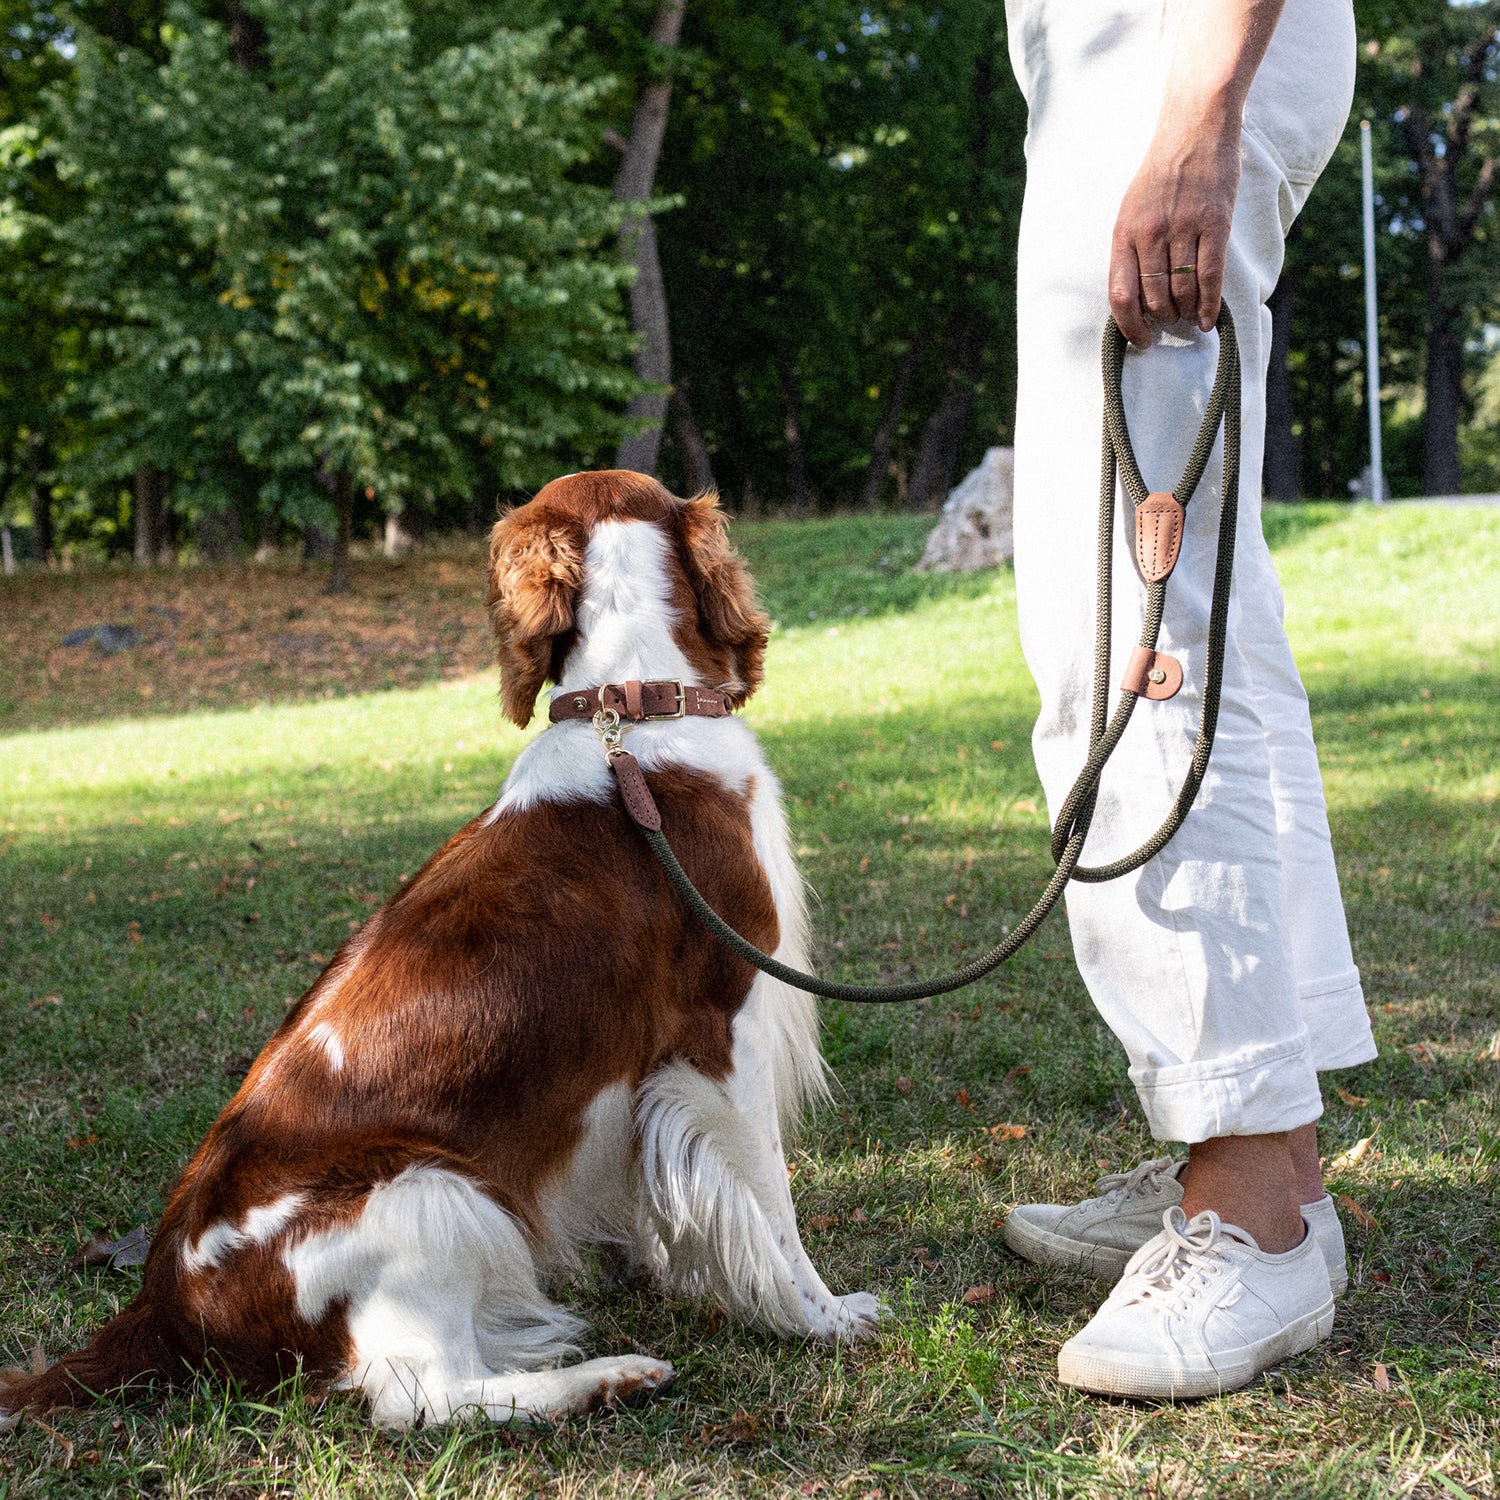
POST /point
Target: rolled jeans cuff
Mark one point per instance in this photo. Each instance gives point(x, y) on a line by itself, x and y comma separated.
point(1338, 1025)
point(1258, 1091)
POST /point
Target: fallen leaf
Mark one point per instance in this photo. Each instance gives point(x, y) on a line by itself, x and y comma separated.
point(114, 1255)
point(1025, 805)
point(904, 1085)
point(819, 1222)
point(317, 958)
point(1381, 1278)
point(742, 1427)
point(45, 1000)
point(78, 1142)
point(810, 1487)
point(1007, 1132)
point(1361, 1216)
point(1018, 1072)
point(859, 1216)
point(964, 1101)
point(38, 1359)
point(49, 921)
point(1382, 1380)
point(1354, 1101)
point(1353, 1155)
point(978, 1296)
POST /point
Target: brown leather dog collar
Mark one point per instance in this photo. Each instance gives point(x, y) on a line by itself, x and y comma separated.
point(640, 702)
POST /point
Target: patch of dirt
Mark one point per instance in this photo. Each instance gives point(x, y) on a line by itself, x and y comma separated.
point(231, 635)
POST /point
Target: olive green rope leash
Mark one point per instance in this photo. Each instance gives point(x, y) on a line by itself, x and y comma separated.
point(1077, 811)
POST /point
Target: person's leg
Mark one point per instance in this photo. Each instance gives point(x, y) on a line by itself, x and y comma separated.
point(1208, 962)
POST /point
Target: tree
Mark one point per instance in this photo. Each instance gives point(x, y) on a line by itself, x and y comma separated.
point(357, 267)
point(634, 184)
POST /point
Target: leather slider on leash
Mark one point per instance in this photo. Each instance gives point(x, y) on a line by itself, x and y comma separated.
point(1158, 535)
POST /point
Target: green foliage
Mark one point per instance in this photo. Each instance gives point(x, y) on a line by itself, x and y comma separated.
point(351, 257)
point(850, 179)
point(1412, 53)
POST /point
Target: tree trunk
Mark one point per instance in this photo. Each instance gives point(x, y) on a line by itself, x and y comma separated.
point(1280, 477)
point(634, 183)
point(149, 487)
point(248, 41)
point(796, 451)
point(695, 456)
point(1444, 387)
point(936, 463)
point(41, 499)
point(885, 433)
point(340, 575)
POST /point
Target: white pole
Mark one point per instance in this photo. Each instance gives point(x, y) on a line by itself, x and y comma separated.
point(1372, 331)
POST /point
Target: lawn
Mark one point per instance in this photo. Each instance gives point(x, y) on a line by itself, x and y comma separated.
point(169, 881)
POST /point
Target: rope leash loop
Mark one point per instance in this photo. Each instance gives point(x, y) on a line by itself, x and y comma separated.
point(1105, 730)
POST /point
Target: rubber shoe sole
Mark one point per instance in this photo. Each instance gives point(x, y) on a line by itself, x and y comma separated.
point(1034, 1243)
point(1097, 1373)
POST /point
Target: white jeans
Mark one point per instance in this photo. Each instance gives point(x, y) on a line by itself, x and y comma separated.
point(1223, 965)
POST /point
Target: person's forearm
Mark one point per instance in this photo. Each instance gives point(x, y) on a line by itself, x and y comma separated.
point(1220, 44)
point(1167, 259)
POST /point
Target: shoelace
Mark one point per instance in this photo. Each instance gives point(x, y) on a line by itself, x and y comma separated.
point(1187, 1259)
point(1124, 1184)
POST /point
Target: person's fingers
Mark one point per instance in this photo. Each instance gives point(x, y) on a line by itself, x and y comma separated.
point(1125, 293)
point(1156, 279)
point(1184, 276)
point(1213, 246)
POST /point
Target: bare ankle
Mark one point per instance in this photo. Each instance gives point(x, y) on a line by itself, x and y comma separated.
point(1250, 1181)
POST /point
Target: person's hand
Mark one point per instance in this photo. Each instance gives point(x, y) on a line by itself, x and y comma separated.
point(1168, 252)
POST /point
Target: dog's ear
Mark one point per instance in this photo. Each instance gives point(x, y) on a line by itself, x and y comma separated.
point(536, 571)
point(728, 613)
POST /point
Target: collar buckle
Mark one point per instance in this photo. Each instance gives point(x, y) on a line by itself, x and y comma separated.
point(680, 708)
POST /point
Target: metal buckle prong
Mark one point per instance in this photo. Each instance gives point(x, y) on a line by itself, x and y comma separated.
point(681, 707)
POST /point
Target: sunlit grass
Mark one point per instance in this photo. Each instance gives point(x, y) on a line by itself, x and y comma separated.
point(171, 882)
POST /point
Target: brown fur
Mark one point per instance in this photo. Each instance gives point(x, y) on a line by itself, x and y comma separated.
point(532, 963)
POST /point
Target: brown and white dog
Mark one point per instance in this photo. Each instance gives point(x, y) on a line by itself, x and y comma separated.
point(530, 1050)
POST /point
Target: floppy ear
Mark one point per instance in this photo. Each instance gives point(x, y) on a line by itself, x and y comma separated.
point(728, 613)
point(536, 570)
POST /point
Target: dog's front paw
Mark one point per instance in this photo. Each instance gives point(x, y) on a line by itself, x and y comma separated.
point(629, 1380)
point(849, 1319)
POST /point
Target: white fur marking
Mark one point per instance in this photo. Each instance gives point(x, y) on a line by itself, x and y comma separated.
point(260, 1224)
point(324, 1036)
point(442, 1294)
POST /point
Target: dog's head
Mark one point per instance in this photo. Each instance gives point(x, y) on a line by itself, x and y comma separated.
point(539, 562)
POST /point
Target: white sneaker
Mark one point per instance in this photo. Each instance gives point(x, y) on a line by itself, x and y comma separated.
point(1200, 1309)
point(1100, 1234)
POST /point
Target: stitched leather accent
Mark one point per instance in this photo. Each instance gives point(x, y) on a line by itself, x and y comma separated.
point(658, 700)
point(634, 792)
point(1138, 677)
point(1158, 535)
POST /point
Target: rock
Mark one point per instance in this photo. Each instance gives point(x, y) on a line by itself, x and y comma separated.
point(974, 529)
point(108, 638)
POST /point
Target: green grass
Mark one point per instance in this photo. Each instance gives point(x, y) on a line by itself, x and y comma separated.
point(897, 711)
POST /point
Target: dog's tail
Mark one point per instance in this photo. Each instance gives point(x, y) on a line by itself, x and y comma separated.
point(129, 1348)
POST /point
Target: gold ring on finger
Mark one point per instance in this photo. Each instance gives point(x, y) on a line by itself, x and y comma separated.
point(1178, 270)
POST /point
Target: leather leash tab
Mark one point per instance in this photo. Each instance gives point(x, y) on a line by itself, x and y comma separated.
point(1152, 674)
point(634, 792)
point(1158, 534)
